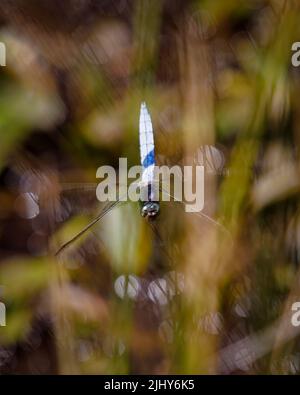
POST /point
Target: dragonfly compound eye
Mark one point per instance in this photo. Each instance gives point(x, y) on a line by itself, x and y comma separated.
point(150, 210)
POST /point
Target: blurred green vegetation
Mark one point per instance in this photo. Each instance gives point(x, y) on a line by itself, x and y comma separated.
point(185, 296)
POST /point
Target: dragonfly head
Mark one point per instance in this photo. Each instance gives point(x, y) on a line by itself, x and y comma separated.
point(150, 210)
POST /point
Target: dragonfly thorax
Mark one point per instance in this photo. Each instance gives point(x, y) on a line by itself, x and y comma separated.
point(150, 210)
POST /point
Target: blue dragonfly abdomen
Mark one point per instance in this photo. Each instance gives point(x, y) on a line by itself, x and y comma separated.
point(150, 205)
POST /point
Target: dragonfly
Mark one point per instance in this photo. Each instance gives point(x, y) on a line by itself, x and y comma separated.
point(150, 207)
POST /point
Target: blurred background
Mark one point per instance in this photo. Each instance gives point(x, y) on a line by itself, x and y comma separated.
point(184, 295)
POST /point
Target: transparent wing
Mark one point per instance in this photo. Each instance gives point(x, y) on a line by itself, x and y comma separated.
point(74, 190)
point(105, 210)
point(198, 213)
point(211, 157)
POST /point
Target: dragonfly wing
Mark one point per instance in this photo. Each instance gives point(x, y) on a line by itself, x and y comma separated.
point(211, 157)
point(79, 198)
point(105, 210)
point(199, 213)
